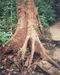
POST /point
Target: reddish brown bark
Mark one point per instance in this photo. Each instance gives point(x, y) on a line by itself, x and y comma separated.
point(27, 29)
point(19, 36)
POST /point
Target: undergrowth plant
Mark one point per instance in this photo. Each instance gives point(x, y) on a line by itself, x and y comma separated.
point(4, 37)
point(46, 11)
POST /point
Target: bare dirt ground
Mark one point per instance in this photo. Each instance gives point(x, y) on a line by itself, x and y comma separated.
point(55, 35)
point(55, 31)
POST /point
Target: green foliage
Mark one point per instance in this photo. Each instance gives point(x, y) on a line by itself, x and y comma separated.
point(46, 12)
point(44, 20)
point(4, 37)
point(7, 19)
point(7, 14)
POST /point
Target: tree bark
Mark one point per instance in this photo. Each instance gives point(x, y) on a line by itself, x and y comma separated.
point(19, 36)
point(27, 29)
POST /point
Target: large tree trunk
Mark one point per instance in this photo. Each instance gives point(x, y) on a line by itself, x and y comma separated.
point(19, 36)
point(27, 29)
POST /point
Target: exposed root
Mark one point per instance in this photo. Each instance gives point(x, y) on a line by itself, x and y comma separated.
point(24, 48)
point(34, 37)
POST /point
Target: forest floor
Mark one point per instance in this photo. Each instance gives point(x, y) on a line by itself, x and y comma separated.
point(55, 31)
point(49, 69)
